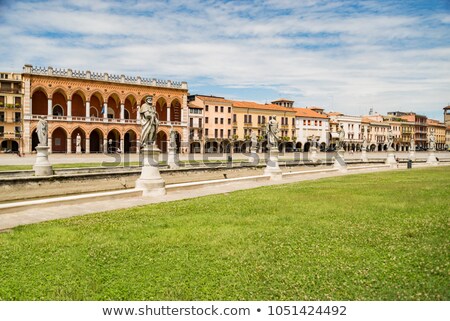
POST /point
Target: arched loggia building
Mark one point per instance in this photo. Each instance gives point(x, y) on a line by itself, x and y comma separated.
point(102, 108)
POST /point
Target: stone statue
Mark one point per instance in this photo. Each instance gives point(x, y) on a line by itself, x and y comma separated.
point(364, 143)
point(432, 141)
point(78, 141)
point(341, 137)
point(390, 140)
point(42, 131)
point(272, 132)
point(149, 122)
point(412, 146)
point(173, 138)
point(254, 140)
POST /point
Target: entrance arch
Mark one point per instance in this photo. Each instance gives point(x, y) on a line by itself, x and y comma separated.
point(73, 140)
point(130, 142)
point(161, 141)
point(96, 141)
point(59, 140)
point(113, 141)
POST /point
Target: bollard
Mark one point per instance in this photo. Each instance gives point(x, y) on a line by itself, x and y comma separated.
point(409, 164)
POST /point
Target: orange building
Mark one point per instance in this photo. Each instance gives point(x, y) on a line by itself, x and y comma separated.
point(103, 109)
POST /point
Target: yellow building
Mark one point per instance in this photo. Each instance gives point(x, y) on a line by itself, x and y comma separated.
point(251, 117)
point(439, 133)
point(11, 99)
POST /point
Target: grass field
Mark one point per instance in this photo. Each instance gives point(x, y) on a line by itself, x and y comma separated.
point(381, 236)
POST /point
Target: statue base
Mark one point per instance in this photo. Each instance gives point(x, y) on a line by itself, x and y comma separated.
point(253, 158)
point(432, 160)
point(390, 160)
point(150, 181)
point(412, 155)
point(78, 150)
point(364, 155)
point(272, 168)
point(314, 156)
point(42, 166)
point(172, 158)
point(339, 161)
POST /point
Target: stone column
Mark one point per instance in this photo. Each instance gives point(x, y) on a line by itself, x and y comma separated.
point(121, 146)
point(150, 182)
point(272, 168)
point(364, 155)
point(49, 107)
point(172, 158)
point(339, 161)
point(49, 144)
point(69, 145)
point(31, 107)
point(105, 145)
point(138, 115)
point(168, 113)
point(432, 160)
point(88, 109)
point(69, 109)
point(138, 146)
point(122, 111)
point(42, 166)
point(105, 108)
point(390, 160)
point(88, 146)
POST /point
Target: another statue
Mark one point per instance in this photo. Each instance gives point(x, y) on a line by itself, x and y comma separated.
point(432, 141)
point(78, 141)
point(272, 132)
point(42, 131)
point(149, 122)
point(254, 140)
point(412, 146)
point(173, 138)
point(364, 143)
point(341, 137)
point(390, 140)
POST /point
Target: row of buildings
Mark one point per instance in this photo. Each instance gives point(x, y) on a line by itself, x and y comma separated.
point(103, 109)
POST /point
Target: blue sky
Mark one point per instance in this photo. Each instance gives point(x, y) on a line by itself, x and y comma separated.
point(343, 55)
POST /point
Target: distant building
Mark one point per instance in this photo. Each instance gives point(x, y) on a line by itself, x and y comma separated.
point(439, 133)
point(353, 129)
point(311, 125)
point(11, 104)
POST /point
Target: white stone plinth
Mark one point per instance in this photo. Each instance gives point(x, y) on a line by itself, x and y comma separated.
point(390, 160)
point(364, 155)
point(272, 167)
point(339, 161)
point(78, 150)
point(150, 181)
point(42, 166)
point(253, 158)
point(172, 158)
point(432, 160)
point(314, 156)
point(412, 155)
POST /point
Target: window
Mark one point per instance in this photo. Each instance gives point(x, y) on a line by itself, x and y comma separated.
point(229, 133)
point(259, 119)
point(206, 131)
point(216, 120)
point(2, 130)
point(320, 123)
point(206, 120)
point(234, 131)
point(263, 119)
point(216, 109)
point(200, 122)
point(221, 121)
point(191, 122)
point(245, 119)
point(17, 117)
point(2, 101)
point(229, 110)
point(293, 121)
point(234, 118)
point(304, 122)
point(221, 133)
point(309, 122)
point(221, 109)
point(315, 123)
point(216, 132)
point(206, 107)
point(249, 118)
point(2, 116)
point(229, 121)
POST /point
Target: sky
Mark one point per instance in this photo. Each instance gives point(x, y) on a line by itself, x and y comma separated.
point(343, 55)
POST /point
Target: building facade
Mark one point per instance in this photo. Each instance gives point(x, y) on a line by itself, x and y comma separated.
point(352, 126)
point(11, 104)
point(311, 126)
point(103, 109)
point(439, 133)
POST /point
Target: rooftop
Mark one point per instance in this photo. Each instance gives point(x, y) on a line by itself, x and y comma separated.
point(251, 104)
point(308, 112)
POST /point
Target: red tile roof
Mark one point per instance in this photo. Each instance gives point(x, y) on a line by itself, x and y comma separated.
point(307, 112)
point(251, 104)
point(213, 98)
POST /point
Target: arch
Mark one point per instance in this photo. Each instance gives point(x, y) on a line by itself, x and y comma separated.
point(195, 148)
point(130, 107)
point(96, 141)
point(113, 105)
point(113, 141)
point(211, 147)
point(298, 146)
point(306, 147)
point(10, 146)
point(111, 112)
point(323, 146)
point(59, 98)
point(57, 110)
point(289, 147)
point(34, 140)
point(39, 101)
point(161, 109)
point(78, 104)
point(94, 112)
point(130, 142)
point(161, 141)
point(373, 147)
point(96, 103)
point(61, 91)
point(175, 110)
point(59, 140)
point(225, 146)
point(73, 139)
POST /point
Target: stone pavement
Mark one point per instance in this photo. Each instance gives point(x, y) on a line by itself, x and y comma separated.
point(30, 216)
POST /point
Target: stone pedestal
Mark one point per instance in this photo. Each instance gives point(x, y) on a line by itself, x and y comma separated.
point(390, 160)
point(314, 156)
point(412, 155)
point(253, 158)
point(150, 181)
point(339, 161)
point(432, 160)
point(172, 158)
point(78, 151)
point(272, 167)
point(42, 166)
point(364, 155)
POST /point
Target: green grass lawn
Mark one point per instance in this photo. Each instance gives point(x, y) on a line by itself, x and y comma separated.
point(381, 236)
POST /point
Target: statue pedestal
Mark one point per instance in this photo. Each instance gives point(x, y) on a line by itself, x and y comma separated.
point(253, 158)
point(412, 155)
point(432, 160)
point(272, 167)
point(42, 166)
point(78, 151)
point(172, 158)
point(314, 156)
point(339, 161)
point(390, 160)
point(364, 155)
point(150, 181)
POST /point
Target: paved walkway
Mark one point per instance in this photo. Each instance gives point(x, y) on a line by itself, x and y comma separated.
point(31, 216)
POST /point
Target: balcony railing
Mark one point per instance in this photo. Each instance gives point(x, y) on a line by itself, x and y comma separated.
point(102, 120)
point(10, 91)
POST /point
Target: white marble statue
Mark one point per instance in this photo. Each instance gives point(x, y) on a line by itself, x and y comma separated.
point(390, 140)
point(254, 140)
point(341, 137)
point(78, 141)
point(272, 132)
point(42, 131)
point(173, 138)
point(432, 141)
point(149, 122)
